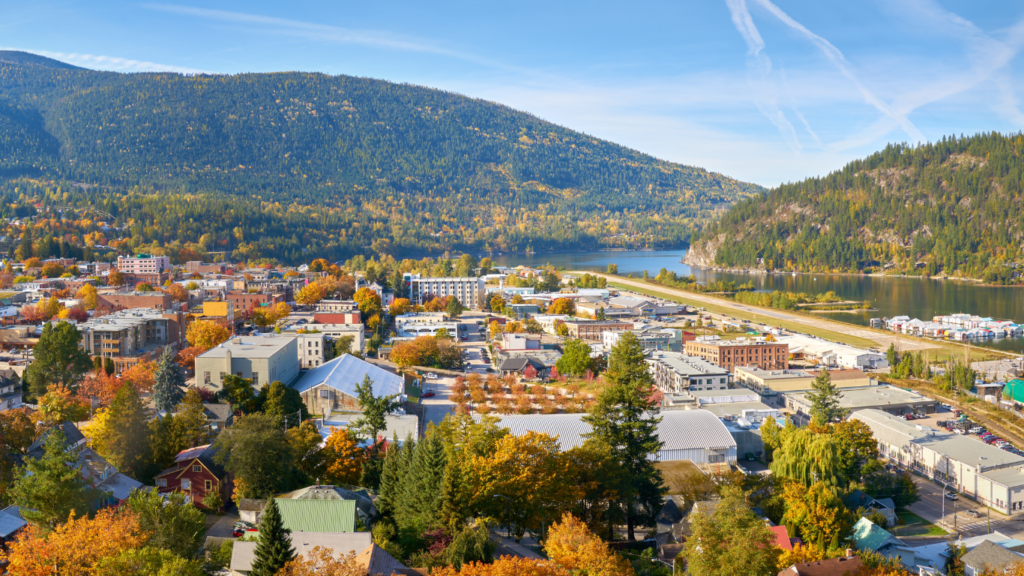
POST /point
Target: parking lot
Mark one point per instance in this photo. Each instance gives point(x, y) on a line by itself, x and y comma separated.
point(932, 421)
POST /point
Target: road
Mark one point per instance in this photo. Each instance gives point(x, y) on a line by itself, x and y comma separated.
point(439, 406)
point(881, 337)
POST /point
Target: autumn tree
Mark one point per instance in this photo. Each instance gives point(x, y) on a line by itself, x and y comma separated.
point(817, 515)
point(400, 306)
point(88, 295)
point(730, 540)
point(77, 546)
point(310, 294)
point(148, 561)
point(256, 451)
point(305, 443)
point(206, 334)
point(50, 488)
point(115, 278)
point(506, 566)
point(60, 405)
point(571, 545)
point(123, 437)
point(141, 375)
point(177, 292)
point(58, 360)
point(563, 306)
point(343, 457)
point(324, 562)
point(17, 433)
point(626, 419)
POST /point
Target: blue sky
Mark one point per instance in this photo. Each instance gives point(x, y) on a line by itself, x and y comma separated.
point(761, 91)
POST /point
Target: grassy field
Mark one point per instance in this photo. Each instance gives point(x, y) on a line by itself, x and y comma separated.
point(676, 473)
point(913, 525)
point(793, 326)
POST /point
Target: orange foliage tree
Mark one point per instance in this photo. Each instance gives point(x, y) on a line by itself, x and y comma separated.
point(572, 545)
point(140, 375)
point(310, 294)
point(562, 306)
point(76, 547)
point(101, 386)
point(88, 295)
point(187, 357)
point(343, 457)
point(322, 562)
point(401, 306)
point(506, 566)
point(61, 405)
point(206, 334)
point(177, 293)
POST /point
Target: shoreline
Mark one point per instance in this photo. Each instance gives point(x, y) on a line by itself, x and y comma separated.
point(760, 272)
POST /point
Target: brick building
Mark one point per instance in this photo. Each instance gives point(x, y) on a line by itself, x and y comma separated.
point(593, 331)
point(126, 300)
point(198, 267)
point(337, 318)
point(248, 301)
point(143, 264)
point(741, 352)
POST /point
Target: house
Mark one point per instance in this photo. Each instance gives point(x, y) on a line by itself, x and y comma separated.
point(884, 506)
point(73, 440)
point(369, 555)
point(218, 416)
point(365, 509)
point(782, 539)
point(989, 557)
point(848, 564)
point(869, 536)
point(9, 526)
point(317, 515)
point(523, 366)
point(332, 385)
point(101, 475)
point(250, 509)
point(197, 475)
point(10, 392)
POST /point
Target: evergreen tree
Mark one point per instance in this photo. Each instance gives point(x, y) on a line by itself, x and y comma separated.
point(108, 366)
point(421, 488)
point(168, 381)
point(824, 397)
point(51, 487)
point(626, 419)
point(281, 401)
point(600, 315)
point(374, 410)
point(58, 360)
point(391, 477)
point(891, 356)
point(189, 425)
point(454, 308)
point(273, 545)
point(122, 435)
point(452, 513)
point(25, 249)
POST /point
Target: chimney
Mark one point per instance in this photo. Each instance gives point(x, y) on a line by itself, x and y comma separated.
point(227, 361)
point(849, 552)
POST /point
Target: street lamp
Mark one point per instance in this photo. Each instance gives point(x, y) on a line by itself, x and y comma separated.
point(508, 525)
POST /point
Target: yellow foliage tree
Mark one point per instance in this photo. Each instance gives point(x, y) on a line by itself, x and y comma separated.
point(87, 294)
point(322, 562)
point(506, 566)
point(401, 306)
point(76, 547)
point(206, 334)
point(562, 306)
point(310, 294)
point(572, 545)
point(343, 457)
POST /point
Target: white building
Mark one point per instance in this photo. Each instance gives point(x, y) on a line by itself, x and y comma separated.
point(470, 292)
point(675, 372)
point(548, 321)
point(832, 353)
point(311, 348)
point(425, 324)
point(143, 264)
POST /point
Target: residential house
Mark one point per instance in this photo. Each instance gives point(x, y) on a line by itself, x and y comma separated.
point(989, 558)
point(365, 508)
point(197, 475)
point(10, 524)
point(10, 392)
point(884, 506)
point(332, 385)
point(873, 538)
point(317, 515)
point(369, 556)
point(843, 566)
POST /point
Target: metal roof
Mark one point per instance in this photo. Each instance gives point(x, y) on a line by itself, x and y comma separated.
point(346, 372)
point(880, 395)
point(679, 429)
point(9, 524)
point(318, 515)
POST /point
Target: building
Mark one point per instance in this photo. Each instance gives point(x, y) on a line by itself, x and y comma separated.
point(312, 349)
point(829, 353)
point(200, 267)
point(337, 306)
point(741, 352)
point(992, 476)
point(10, 393)
point(250, 300)
point(990, 558)
point(425, 324)
point(470, 292)
point(219, 311)
point(132, 336)
point(332, 386)
point(197, 475)
point(366, 510)
point(650, 337)
point(127, 300)
point(263, 358)
point(770, 382)
point(372, 559)
point(675, 372)
point(886, 398)
point(844, 566)
point(520, 341)
point(143, 264)
point(695, 435)
point(338, 317)
point(549, 321)
point(593, 330)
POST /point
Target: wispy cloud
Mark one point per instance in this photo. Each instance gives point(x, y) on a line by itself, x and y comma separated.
point(112, 63)
point(327, 33)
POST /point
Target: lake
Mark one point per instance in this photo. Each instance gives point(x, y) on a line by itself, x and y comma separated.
point(914, 297)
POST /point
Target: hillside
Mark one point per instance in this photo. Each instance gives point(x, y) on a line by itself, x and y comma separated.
point(949, 208)
point(416, 168)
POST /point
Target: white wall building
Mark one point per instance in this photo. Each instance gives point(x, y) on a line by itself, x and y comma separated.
point(469, 292)
point(832, 353)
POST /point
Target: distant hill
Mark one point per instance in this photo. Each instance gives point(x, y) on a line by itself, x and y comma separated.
point(416, 168)
point(954, 207)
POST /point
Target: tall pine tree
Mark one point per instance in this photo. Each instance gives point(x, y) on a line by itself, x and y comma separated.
point(168, 381)
point(122, 432)
point(421, 488)
point(273, 546)
point(393, 473)
point(824, 398)
point(51, 487)
point(626, 419)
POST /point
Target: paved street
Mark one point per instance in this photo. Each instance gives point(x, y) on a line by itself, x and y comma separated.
point(436, 408)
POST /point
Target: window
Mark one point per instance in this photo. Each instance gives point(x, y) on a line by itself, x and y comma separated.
point(255, 378)
point(197, 468)
point(161, 482)
point(325, 393)
point(209, 485)
point(186, 484)
point(206, 377)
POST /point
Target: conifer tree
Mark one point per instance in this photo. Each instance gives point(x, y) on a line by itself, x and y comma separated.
point(421, 488)
point(168, 381)
point(391, 477)
point(122, 435)
point(451, 513)
point(51, 487)
point(273, 546)
point(824, 398)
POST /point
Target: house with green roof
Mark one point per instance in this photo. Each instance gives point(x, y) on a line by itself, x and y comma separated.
point(869, 536)
point(318, 515)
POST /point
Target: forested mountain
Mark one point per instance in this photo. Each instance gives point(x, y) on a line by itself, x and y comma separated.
point(274, 164)
point(953, 207)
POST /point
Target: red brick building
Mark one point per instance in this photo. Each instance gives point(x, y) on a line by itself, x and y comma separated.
point(247, 301)
point(742, 352)
point(337, 318)
point(126, 300)
point(196, 474)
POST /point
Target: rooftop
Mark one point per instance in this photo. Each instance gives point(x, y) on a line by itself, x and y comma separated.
point(866, 396)
point(262, 346)
point(345, 372)
point(244, 553)
point(122, 319)
point(685, 365)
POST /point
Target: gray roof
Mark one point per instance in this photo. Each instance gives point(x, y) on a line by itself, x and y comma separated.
point(217, 411)
point(991, 556)
point(1009, 477)
point(346, 372)
point(9, 524)
point(71, 436)
point(263, 346)
point(243, 553)
point(679, 429)
point(686, 365)
point(870, 396)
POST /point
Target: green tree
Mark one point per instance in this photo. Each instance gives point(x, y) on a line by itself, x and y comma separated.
point(731, 540)
point(891, 356)
point(824, 397)
point(575, 360)
point(281, 401)
point(395, 470)
point(172, 524)
point(343, 345)
point(50, 488)
point(25, 248)
point(168, 382)
point(240, 393)
point(148, 561)
point(122, 436)
point(600, 315)
point(808, 458)
point(375, 410)
point(613, 268)
point(189, 426)
point(58, 360)
point(420, 500)
point(898, 486)
point(273, 545)
point(858, 449)
point(305, 443)
point(454, 308)
point(108, 366)
point(256, 451)
point(771, 435)
point(626, 419)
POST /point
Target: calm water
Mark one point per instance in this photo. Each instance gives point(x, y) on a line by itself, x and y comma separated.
point(914, 297)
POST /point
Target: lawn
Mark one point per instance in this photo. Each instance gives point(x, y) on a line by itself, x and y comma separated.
point(793, 326)
point(913, 525)
point(413, 392)
point(675, 474)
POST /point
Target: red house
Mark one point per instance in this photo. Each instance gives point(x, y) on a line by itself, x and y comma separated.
point(197, 475)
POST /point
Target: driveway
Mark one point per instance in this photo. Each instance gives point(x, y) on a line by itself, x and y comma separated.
point(221, 526)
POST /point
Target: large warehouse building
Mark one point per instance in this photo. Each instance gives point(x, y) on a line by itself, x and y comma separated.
point(695, 435)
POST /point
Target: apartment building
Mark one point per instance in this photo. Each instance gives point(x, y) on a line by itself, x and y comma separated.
point(200, 267)
point(265, 358)
point(741, 352)
point(469, 292)
point(425, 324)
point(312, 349)
point(675, 372)
point(143, 264)
point(131, 336)
point(593, 330)
point(132, 299)
point(337, 306)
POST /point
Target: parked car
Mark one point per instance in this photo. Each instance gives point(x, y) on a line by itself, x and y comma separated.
point(908, 417)
point(428, 394)
point(952, 496)
point(431, 375)
point(972, 513)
